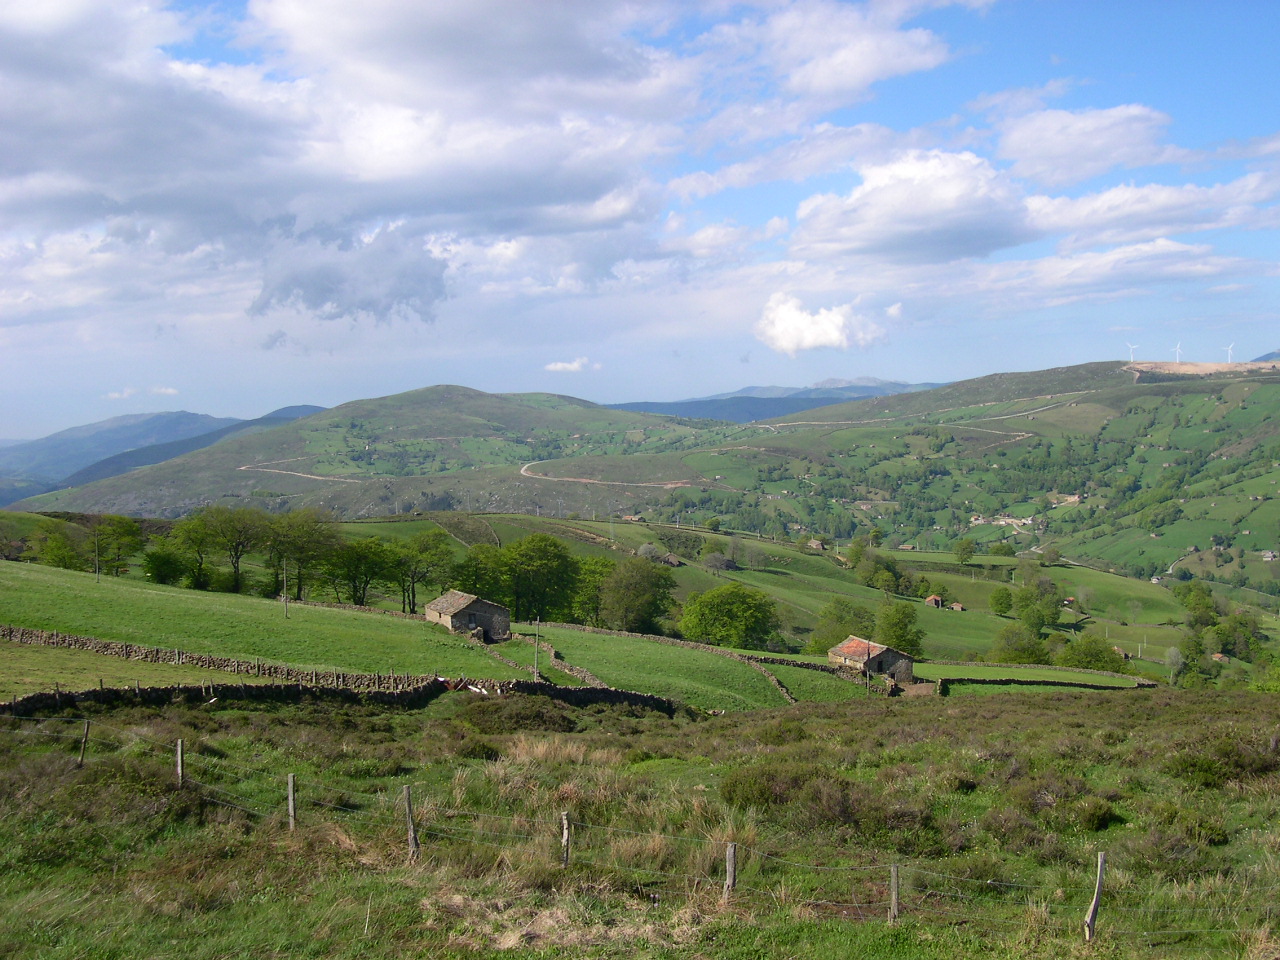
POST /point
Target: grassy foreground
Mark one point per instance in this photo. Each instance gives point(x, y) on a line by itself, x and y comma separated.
point(994, 818)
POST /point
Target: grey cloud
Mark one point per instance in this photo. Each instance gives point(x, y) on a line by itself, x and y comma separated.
point(387, 277)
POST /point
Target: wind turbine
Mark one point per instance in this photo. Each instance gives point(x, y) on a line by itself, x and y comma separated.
point(1229, 349)
point(1132, 347)
point(1177, 352)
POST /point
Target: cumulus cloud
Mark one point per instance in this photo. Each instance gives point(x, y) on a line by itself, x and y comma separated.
point(787, 327)
point(163, 391)
point(122, 394)
point(576, 365)
point(388, 276)
point(1130, 213)
point(923, 206)
point(1059, 147)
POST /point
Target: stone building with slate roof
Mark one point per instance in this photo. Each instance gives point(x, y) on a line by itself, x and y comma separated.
point(465, 612)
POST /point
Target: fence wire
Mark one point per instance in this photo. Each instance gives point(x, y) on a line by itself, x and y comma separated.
point(918, 897)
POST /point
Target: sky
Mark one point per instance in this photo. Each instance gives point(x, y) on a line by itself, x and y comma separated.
point(230, 207)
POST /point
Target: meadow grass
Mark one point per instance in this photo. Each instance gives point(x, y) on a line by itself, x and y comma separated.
point(703, 680)
point(29, 668)
point(994, 808)
point(235, 626)
point(1003, 671)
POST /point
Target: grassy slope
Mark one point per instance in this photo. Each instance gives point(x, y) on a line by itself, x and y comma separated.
point(232, 626)
point(31, 669)
point(994, 810)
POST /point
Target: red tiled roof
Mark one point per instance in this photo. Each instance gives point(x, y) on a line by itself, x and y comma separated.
point(858, 649)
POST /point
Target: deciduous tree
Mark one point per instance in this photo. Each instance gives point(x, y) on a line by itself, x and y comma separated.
point(731, 616)
point(636, 595)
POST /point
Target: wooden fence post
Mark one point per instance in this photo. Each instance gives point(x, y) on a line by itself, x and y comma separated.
point(293, 806)
point(180, 764)
point(564, 839)
point(730, 870)
point(1091, 917)
point(893, 893)
point(84, 743)
point(413, 830)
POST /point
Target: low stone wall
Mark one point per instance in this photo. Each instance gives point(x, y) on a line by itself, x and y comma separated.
point(250, 668)
point(378, 686)
point(945, 684)
point(1140, 681)
point(412, 697)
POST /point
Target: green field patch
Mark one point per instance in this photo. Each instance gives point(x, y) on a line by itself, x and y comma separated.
point(1004, 671)
point(228, 625)
point(815, 686)
point(704, 680)
point(30, 668)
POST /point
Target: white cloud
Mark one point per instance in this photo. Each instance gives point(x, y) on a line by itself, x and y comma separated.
point(1062, 146)
point(1130, 213)
point(577, 365)
point(122, 394)
point(787, 327)
point(163, 391)
point(923, 206)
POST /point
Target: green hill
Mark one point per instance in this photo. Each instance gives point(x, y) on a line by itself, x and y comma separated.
point(1127, 467)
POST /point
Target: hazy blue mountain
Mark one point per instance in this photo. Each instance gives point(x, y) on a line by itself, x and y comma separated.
point(1267, 357)
point(160, 452)
point(61, 454)
point(768, 403)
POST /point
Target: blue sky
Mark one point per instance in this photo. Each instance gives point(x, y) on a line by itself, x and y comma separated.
point(232, 207)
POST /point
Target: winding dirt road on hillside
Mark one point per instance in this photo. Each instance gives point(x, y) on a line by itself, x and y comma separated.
point(263, 468)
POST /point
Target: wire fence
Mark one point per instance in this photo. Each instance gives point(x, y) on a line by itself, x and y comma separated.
point(662, 864)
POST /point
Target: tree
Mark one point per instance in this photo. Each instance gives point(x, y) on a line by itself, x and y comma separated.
point(1091, 652)
point(164, 561)
point(236, 530)
point(592, 572)
point(192, 536)
point(1050, 556)
point(1001, 601)
point(896, 627)
point(541, 576)
point(713, 524)
point(424, 558)
point(115, 539)
point(838, 620)
point(1002, 549)
point(302, 539)
point(55, 545)
point(1015, 643)
point(356, 565)
point(731, 616)
point(481, 572)
point(964, 550)
point(636, 595)
point(1173, 659)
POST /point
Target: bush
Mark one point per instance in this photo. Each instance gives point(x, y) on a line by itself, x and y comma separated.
point(768, 784)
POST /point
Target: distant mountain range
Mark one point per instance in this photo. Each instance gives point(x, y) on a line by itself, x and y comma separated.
point(768, 403)
point(107, 448)
point(1268, 357)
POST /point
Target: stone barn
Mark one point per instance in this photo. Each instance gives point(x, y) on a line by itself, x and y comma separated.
point(869, 657)
point(465, 612)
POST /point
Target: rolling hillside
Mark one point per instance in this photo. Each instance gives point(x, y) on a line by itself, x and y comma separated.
point(1125, 466)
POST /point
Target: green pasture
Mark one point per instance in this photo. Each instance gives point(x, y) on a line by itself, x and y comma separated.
point(243, 627)
point(705, 680)
point(1007, 671)
point(28, 668)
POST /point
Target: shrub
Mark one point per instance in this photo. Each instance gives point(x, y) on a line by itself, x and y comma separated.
point(768, 784)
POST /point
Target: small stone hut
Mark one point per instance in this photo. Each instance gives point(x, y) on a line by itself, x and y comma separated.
point(465, 612)
point(869, 657)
